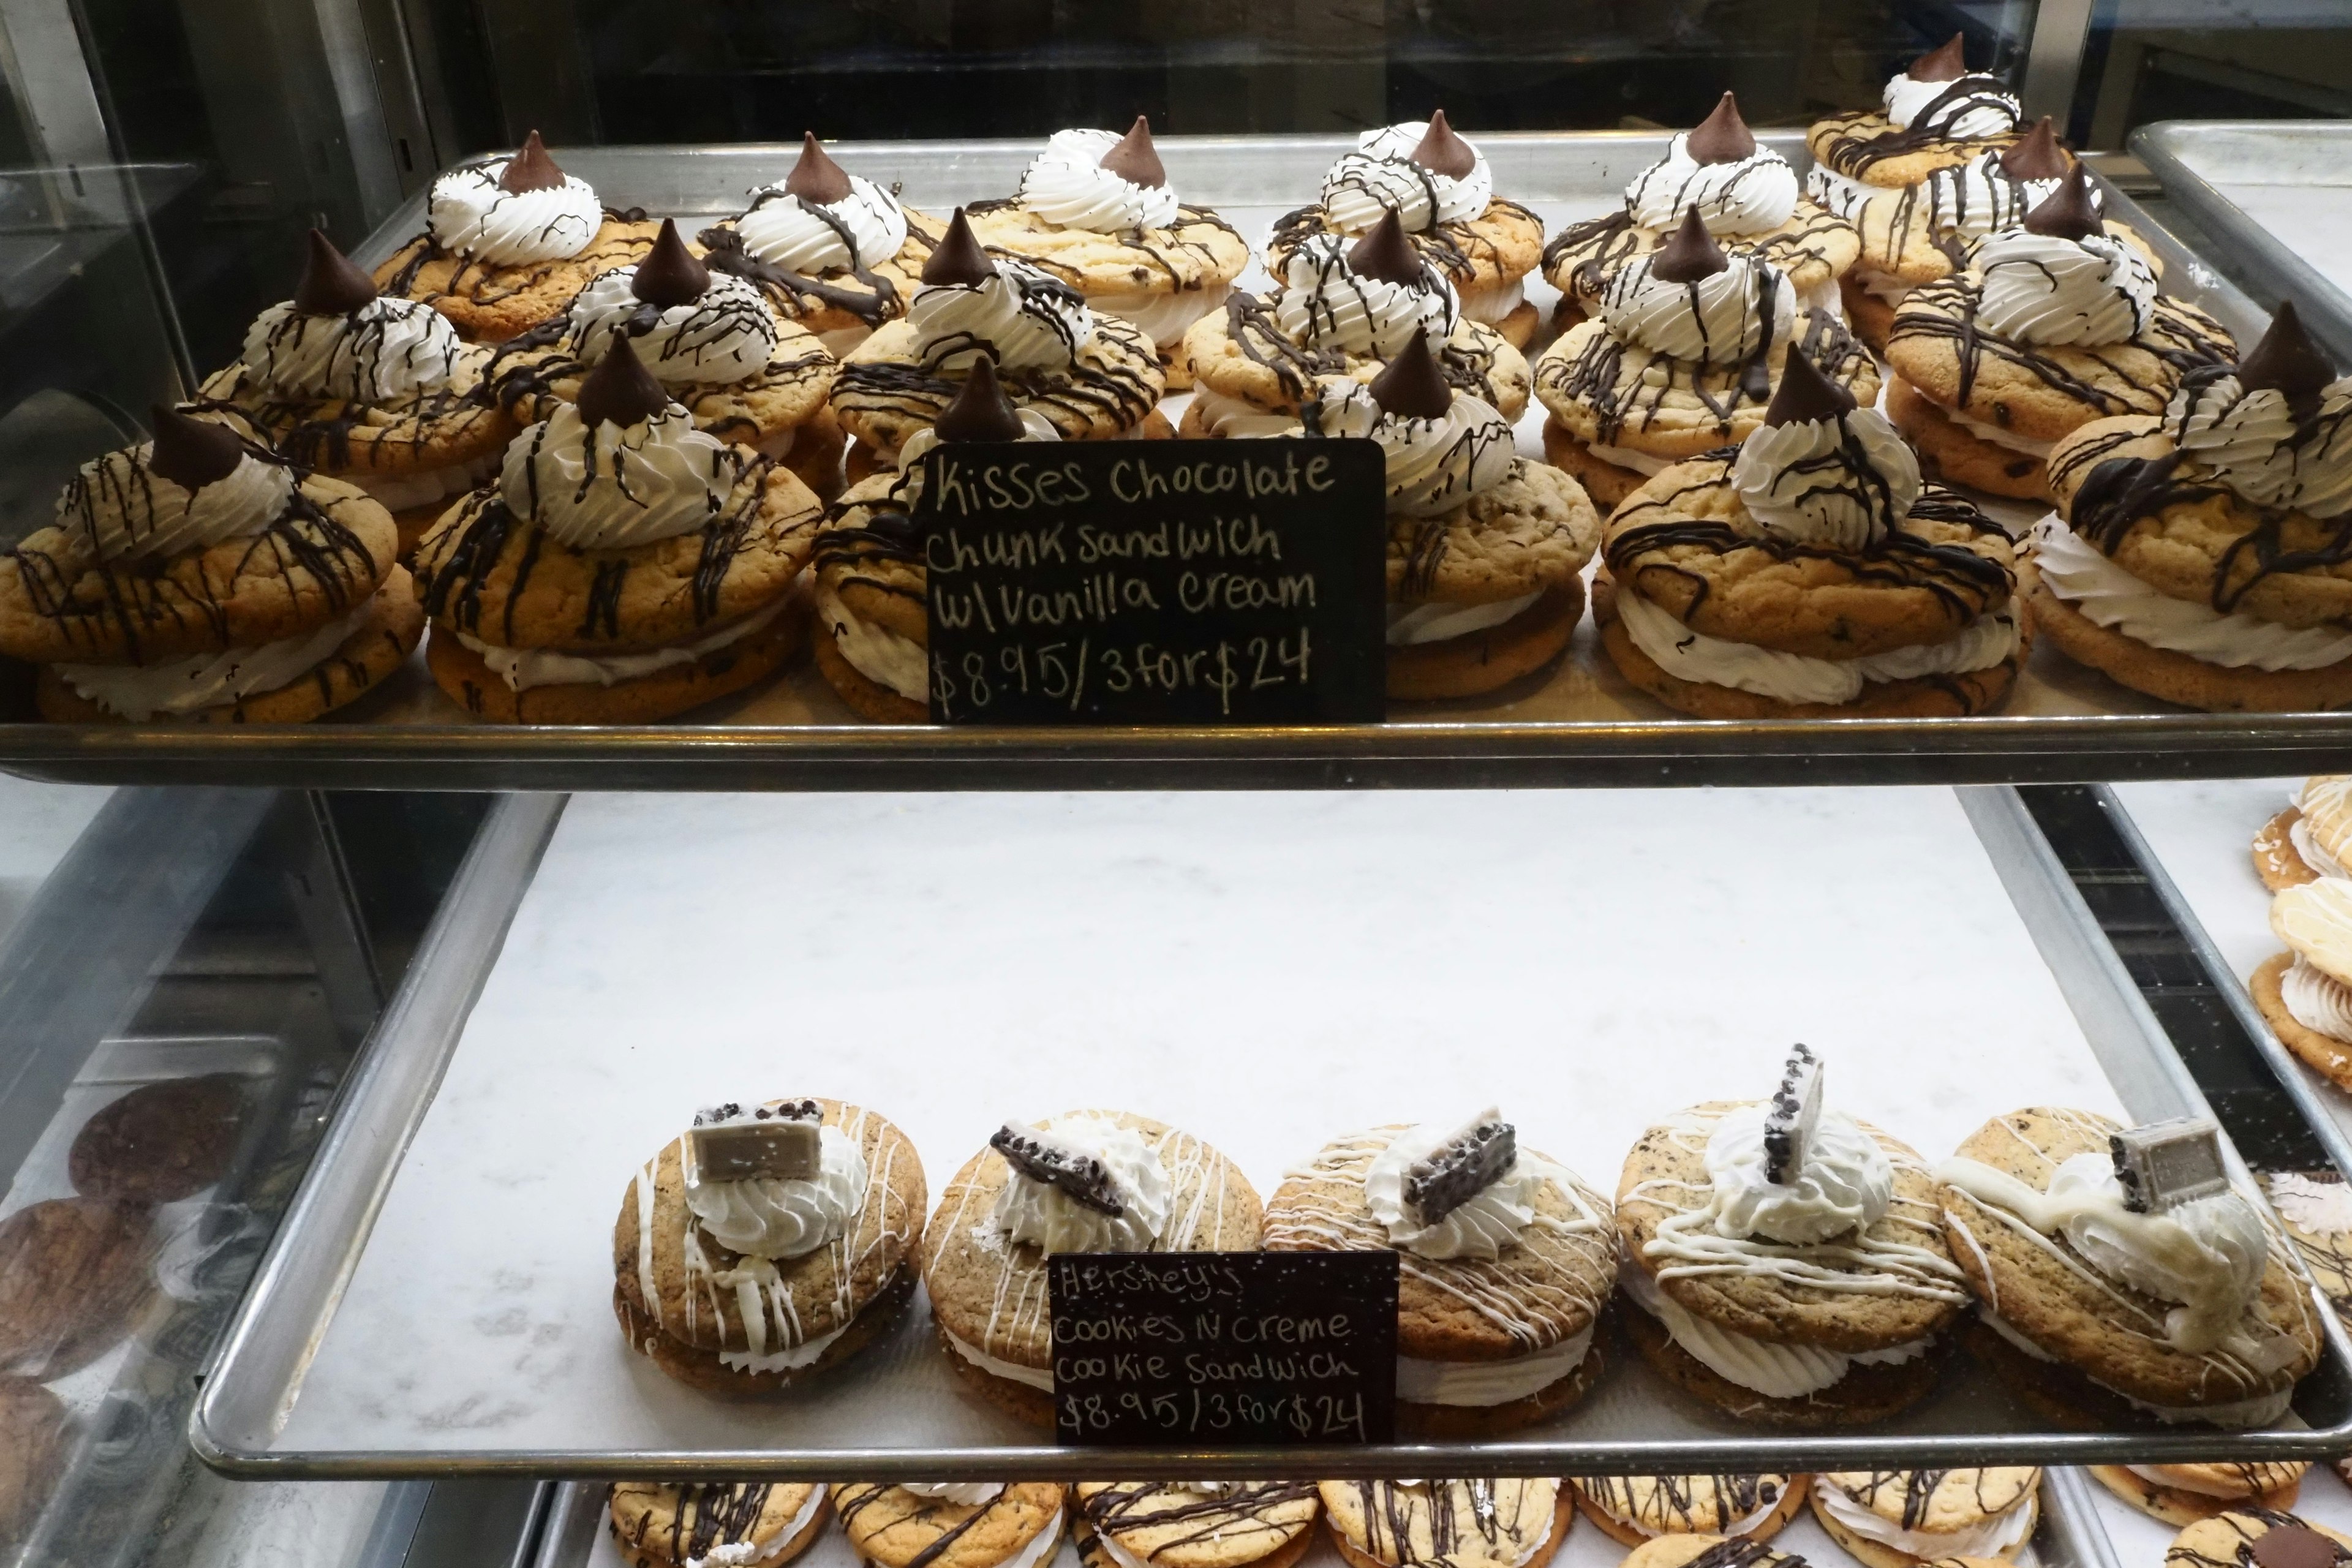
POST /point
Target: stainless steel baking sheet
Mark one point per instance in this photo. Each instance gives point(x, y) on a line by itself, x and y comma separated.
point(1266, 971)
point(1578, 723)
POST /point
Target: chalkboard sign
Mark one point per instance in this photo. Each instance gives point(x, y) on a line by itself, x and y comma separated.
point(1156, 582)
point(1224, 1348)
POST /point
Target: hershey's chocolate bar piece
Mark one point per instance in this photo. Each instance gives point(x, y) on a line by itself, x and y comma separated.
point(1474, 1157)
point(2166, 1163)
point(1790, 1119)
point(728, 1144)
point(1050, 1158)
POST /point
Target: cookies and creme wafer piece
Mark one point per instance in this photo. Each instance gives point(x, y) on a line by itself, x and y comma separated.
point(1903, 1519)
point(1633, 1510)
point(2098, 1312)
point(743, 1285)
point(730, 1143)
point(1507, 1523)
point(1472, 1217)
point(2183, 1494)
point(1816, 1299)
point(2304, 993)
point(715, 1524)
point(952, 1525)
point(2257, 1538)
point(1087, 1181)
point(1193, 1524)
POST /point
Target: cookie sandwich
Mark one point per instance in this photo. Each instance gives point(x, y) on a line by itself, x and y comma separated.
point(1708, 1552)
point(1090, 376)
point(1441, 189)
point(832, 250)
point(2183, 1494)
point(2257, 1538)
point(1905, 1519)
point(2125, 1281)
point(1747, 196)
point(1472, 1217)
point(704, 1524)
point(2315, 1211)
point(1193, 1524)
point(712, 339)
point(1634, 1509)
point(1342, 307)
point(627, 566)
point(199, 578)
point(2055, 324)
point(1810, 574)
point(766, 1243)
point(1088, 1181)
point(952, 1525)
point(1485, 549)
point(2311, 838)
point(1680, 360)
point(1935, 114)
point(1094, 209)
point(2302, 994)
point(2200, 557)
point(508, 240)
point(1782, 1260)
point(1512, 1523)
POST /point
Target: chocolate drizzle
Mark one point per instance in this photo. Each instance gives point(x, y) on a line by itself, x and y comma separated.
point(958, 260)
point(1390, 1511)
point(1251, 1516)
point(1455, 248)
point(2037, 155)
point(2265, 1522)
point(1385, 254)
point(1597, 375)
point(980, 412)
point(853, 1500)
point(1685, 1505)
point(2178, 336)
point(1442, 152)
point(817, 177)
point(191, 453)
point(2069, 212)
point(669, 276)
point(530, 169)
point(698, 1518)
point(1134, 159)
point(1412, 387)
point(330, 285)
point(1722, 137)
point(1690, 254)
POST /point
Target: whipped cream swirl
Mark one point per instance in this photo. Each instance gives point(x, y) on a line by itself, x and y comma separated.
point(604, 488)
point(1720, 318)
point(864, 227)
point(1784, 677)
point(1778, 1369)
point(766, 1216)
point(384, 351)
point(1974, 107)
point(1842, 482)
point(971, 1493)
point(117, 507)
point(1067, 184)
point(1047, 1218)
point(1381, 177)
point(1752, 195)
point(2262, 450)
point(2075, 571)
point(1326, 303)
point(473, 215)
point(1433, 465)
point(2042, 288)
point(726, 336)
point(2317, 1000)
point(2323, 1208)
point(1494, 1219)
point(1844, 1184)
point(1021, 316)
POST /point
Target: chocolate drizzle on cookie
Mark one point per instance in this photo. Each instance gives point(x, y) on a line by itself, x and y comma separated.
point(1412, 387)
point(1722, 137)
point(1392, 1509)
point(1457, 247)
point(330, 285)
point(1133, 158)
point(1442, 152)
point(980, 412)
point(1250, 1516)
point(669, 277)
point(693, 1519)
point(1791, 1117)
point(817, 178)
point(1685, 1505)
point(1386, 254)
point(2178, 337)
point(530, 169)
point(1473, 1158)
point(1046, 1156)
point(191, 453)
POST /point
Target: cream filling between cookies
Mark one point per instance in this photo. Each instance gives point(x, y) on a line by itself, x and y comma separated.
point(1479, 1383)
point(1491, 303)
point(1437, 621)
point(1696, 657)
point(2204, 1486)
point(523, 668)
point(398, 492)
point(1995, 434)
point(2319, 1001)
point(1991, 1537)
point(140, 691)
point(1013, 1371)
point(1776, 1370)
point(1038, 1547)
point(1626, 457)
point(1740, 1526)
point(875, 652)
point(753, 1554)
point(788, 1359)
point(1163, 318)
point(2307, 850)
point(2110, 597)
point(1223, 415)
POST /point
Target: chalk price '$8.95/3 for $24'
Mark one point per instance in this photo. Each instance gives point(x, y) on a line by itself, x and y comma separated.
point(1062, 671)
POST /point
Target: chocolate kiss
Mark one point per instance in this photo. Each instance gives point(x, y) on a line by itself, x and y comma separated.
point(2287, 359)
point(1442, 151)
point(620, 390)
point(1690, 254)
point(670, 274)
point(189, 452)
point(1386, 254)
point(1805, 393)
point(2292, 1546)
point(1945, 64)
point(980, 412)
point(2068, 211)
point(1411, 385)
point(1722, 137)
point(530, 169)
point(331, 284)
point(958, 258)
point(817, 177)
point(1134, 159)
point(2037, 155)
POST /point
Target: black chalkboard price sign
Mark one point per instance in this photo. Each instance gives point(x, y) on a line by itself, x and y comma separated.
point(1251, 1348)
point(1155, 582)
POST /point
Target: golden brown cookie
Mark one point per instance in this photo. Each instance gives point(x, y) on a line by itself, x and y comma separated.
point(870, 698)
point(2329, 1057)
point(1858, 1509)
point(2177, 676)
point(74, 1274)
point(491, 304)
point(530, 381)
point(2315, 1211)
point(1499, 245)
point(33, 1431)
point(891, 1527)
point(1241, 352)
point(1814, 248)
point(1607, 483)
point(672, 690)
point(453, 427)
point(1206, 1524)
point(1503, 1523)
point(884, 393)
point(159, 1143)
point(1707, 1551)
point(838, 301)
point(1957, 456)
point(1603, 389)
point(2183, 1494)
point(1867, 315)
point(2227, 1540)
point(1490, 659)
point(1199, 250)
point(1634, 1509)
point(1867, 147)
point(669, 1524)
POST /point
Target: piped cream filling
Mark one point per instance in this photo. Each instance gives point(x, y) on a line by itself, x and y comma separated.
point(1013, 1371)
point(1479, 1383)
point(524, 669)
point(1439, 620)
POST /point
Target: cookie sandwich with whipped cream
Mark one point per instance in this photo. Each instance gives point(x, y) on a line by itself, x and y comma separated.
point(1906, 1518)
point(2200, 556)
point(199, 578)
point(1747, 196)
point(2258, 1538)
point(381, 394)
point(1782, 1260)
point(627, 566)
point(2304, 994)
point(706, 1524)
point(767, 1243)
point(1634, 1509)
point(2054, 324)
point(2315, 1211)
point(508, 240)
point(1813, 574)
point(1511, 1523)
point(1094, 209)
point(2311, 838)
point(1087, 1181)
point(1343, 306)
point(952, 1525)
point(713, 340)
point(1193, 1524)
point(1091, 376)
point(1935, 114)
point(1442, 191)
point(1485, 549)
point(2125, 1281)
point(832, 250)
point(1472, 1217)
point(1681, 359)
point(2183, 1494)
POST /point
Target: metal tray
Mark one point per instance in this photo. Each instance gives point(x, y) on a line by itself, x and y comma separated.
point(2278, 194)
point(1579, 724)
point(446, 1316)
